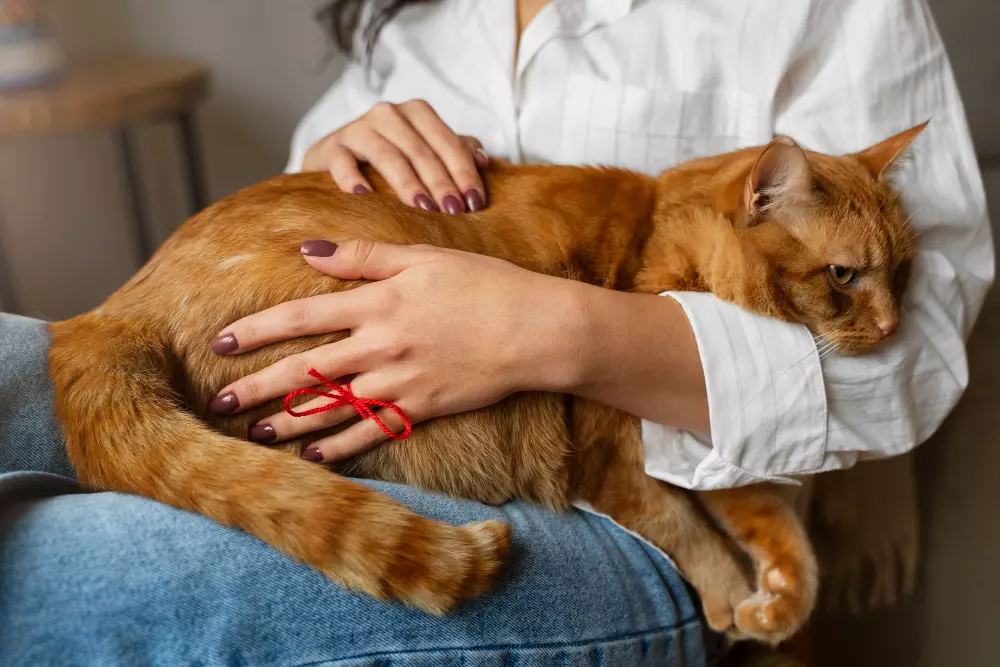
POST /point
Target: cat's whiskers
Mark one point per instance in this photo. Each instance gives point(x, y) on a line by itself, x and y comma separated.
point(906, 223)
point(815, 348)
point(826, 349)
point(826, 352)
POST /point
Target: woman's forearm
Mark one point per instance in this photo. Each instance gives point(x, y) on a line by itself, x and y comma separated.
point(635, 352)
point(448, 331)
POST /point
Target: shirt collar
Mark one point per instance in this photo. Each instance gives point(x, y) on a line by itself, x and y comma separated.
point(606, 11)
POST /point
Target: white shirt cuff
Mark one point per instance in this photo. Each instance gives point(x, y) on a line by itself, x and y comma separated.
point(766, 401)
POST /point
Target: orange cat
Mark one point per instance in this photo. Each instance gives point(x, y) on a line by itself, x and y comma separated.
point(797, 235)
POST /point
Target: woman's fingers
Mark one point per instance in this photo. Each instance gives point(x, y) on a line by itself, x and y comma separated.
point(326, 313)
point(321, 314)
point(283, 426)
point(355, 439)
point(478, 152)
point(336, 360)
point(387, 157)
point(395, 126)
point(343, 166)
point(453, 153)
point(421, 158)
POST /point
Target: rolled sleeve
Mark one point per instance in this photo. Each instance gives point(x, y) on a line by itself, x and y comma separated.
point(766, 401)
point(865, 69)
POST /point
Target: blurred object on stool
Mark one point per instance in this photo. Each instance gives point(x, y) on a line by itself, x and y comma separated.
point(29, 52)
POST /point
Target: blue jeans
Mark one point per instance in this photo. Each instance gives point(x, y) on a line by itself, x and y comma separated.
point(113, 579)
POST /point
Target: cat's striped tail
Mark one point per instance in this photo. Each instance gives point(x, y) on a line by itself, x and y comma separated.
point(126, 431)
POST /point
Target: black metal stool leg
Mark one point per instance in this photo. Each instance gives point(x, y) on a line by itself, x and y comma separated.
point(9, 302)
point(197, 188)
point(8, 295)
point(130, 161)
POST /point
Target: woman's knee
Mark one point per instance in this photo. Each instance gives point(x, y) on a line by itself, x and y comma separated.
point(129, 579)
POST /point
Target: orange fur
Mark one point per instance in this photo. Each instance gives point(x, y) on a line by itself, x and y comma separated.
point(759, 227)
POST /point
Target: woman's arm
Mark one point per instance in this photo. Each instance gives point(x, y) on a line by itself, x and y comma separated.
point(774, 406)
point(863, 70)
point(443, 331)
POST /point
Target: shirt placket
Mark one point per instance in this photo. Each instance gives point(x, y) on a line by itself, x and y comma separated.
point(558, 19)
point(497, 23)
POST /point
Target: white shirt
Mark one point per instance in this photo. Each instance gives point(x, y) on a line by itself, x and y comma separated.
point(649, 84)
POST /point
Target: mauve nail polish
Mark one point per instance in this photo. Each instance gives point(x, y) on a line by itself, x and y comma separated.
point(318, 248)
point(474, 200)
point(262, 433)
point(312, 453)
point(225, 344)
point(361, 190)
point(452, 204)
point(425, 202)
point(226, 404)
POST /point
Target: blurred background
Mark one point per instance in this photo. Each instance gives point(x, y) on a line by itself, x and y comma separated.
point(70, 241)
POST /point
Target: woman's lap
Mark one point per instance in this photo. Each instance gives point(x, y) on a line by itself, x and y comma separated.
point(109, 578)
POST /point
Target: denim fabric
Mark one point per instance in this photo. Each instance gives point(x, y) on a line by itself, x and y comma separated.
point(29, 435)
point(112, 579)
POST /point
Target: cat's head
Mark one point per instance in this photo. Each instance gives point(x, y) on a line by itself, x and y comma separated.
point(836, 235)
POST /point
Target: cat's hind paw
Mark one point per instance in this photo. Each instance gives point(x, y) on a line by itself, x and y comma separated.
point(780, 608)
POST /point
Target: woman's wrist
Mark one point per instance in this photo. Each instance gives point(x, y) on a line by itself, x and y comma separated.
point(635, 352)
point(550, 346)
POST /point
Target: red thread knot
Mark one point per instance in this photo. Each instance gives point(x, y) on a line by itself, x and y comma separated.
point(341, 394)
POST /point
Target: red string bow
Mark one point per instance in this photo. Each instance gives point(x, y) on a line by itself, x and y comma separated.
point(342, 395)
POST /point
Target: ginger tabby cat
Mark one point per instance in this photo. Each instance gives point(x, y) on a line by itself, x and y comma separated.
point(793, 234)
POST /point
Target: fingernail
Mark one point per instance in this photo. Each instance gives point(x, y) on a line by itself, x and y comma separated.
point(226, 404)
point(312, 453)
point(262, 433)
point(361, 190)
point(482, 156)
point(452, 204)
point(225, 344)
point(474, 200)
point(425, 202)
point(317, 248)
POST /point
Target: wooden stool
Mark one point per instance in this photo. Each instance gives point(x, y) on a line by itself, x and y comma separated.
point(113, 93)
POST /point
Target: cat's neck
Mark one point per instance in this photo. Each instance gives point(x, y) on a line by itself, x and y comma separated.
point(617, 228)
point(694, 243)
point(627, 231)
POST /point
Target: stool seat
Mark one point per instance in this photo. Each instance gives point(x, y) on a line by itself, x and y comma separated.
point(106, 92)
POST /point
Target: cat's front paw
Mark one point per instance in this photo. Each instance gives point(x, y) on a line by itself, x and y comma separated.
point(781, 605)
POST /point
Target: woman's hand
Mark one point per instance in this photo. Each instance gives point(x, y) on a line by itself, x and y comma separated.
point(440, 332)
point(420, 157)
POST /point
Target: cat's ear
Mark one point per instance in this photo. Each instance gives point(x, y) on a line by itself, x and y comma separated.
point(879, 158)
point(779, 179)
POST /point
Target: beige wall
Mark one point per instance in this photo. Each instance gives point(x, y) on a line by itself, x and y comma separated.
point(64, 216)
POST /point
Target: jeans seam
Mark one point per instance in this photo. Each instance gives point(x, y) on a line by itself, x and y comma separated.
point(684, 625)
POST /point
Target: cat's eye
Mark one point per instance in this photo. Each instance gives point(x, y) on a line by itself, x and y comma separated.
point(841, 274)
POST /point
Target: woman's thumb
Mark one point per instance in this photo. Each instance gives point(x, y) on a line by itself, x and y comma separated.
point(359, 259)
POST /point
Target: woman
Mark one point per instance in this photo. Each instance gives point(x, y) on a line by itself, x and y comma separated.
point(727, 398)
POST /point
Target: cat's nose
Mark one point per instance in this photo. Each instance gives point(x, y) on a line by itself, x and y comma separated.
point(887, 325)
